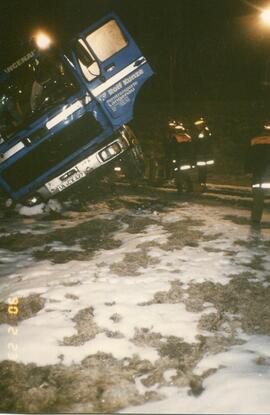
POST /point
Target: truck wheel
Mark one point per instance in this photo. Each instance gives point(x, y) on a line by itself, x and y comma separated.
point(133, 161)
point(133, 168)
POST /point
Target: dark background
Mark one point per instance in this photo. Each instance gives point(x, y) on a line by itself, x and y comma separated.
point(210, 57)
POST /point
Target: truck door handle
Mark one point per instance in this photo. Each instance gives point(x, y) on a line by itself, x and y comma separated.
point(139, 61)
point(110, 67)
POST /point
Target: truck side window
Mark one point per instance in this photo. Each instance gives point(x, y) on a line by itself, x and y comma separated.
point(106, 40)
point(89, 66)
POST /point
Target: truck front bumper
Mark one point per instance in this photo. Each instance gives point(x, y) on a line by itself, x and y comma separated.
point(84, 167)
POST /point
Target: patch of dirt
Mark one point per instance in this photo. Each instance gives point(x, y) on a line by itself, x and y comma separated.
point(174, 353)
point(212, 237)
point(229, 253)
point(184, 353)
point(87, 329)
point(71, 296)
point(238, 220)
point(91, 235)
point(100, 383)
point(210, 249)
point(131, 263)
point(242, 296)
point(116, 317)
point(60, 257)
point(239, 304)
point(85, 326)
point(145, 337)
point(257, 263)
point(261, 246)
point(182, 233)
point(137, 224)
point(142, 200)
point(261, 361)
point(23, 308)
point(172, 296)
point(254, 241)
point(114, 334)
point(71, 283)
point(110, 304)
point(121, 203)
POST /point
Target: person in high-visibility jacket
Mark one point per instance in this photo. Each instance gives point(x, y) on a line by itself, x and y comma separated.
point(183, 158)
point(168, 148)
point(203, 145)
point(258, 164)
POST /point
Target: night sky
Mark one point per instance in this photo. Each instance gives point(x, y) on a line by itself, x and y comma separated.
point(199, 49)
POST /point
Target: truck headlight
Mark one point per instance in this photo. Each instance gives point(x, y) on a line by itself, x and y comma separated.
point(110, 151)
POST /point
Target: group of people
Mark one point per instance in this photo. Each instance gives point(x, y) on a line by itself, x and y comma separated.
point(189, 154)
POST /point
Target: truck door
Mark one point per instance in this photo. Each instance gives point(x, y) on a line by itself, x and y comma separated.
point(112, 67)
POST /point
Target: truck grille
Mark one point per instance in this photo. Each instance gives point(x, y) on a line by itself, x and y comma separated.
point(51, 152)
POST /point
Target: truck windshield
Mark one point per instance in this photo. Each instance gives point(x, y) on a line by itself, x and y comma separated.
point(29, 89)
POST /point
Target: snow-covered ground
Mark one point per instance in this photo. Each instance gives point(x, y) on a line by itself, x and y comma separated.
point(135, 305)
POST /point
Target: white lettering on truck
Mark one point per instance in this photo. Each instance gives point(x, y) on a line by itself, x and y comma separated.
point(19, 62)
point(131, 78)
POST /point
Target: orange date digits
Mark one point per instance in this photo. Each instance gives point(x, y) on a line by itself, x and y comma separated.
point(13, 309)
point(13, 301)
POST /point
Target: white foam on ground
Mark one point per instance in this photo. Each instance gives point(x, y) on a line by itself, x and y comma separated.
point(95, 285)
point(239, 386)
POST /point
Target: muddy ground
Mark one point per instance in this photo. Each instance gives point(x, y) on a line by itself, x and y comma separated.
point(101, 382)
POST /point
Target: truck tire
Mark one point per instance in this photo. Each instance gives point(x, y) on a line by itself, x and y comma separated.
point(133, 168)
point(133, 161)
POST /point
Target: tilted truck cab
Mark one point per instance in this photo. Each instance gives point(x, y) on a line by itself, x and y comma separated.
point(63, 115)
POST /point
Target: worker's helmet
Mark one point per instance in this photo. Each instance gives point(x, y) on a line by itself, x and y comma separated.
point(180, 128)
point(200, 122)
point(171, 123)
point(266, 126)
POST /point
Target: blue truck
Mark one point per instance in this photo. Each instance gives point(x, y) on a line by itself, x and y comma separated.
point(64, 114)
